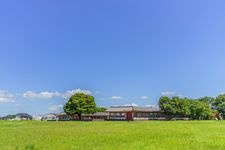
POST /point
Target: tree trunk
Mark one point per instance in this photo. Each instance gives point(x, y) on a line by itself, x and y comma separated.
point(170, 117)
point(79, 116)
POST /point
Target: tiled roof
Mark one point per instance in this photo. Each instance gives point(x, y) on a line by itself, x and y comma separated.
point(97, 114)
point(146, 109)
point(61, 114)
point(23, 115)
point(120, 109)
point(50, 114)
point(131, 108)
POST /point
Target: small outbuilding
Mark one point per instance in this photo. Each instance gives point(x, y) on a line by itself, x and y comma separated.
point(8, 117)
point(23, 116)
point(49, 117)
point(37, 118)
point(63, 117)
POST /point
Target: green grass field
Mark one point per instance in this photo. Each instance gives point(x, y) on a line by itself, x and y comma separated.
point(155, 135)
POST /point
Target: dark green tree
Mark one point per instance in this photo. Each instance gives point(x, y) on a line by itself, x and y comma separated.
point(207, 100)
point(168, 106)
point(101, 109)
point(174, 106)
point(221, 108)
point(219, 100)
point(219, 104)
point(184, 107)
point(79, 104)
point(200, 110)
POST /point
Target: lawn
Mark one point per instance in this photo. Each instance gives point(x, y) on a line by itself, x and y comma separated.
point(155, 135)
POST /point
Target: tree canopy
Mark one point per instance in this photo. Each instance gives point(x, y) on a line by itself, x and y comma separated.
point(185, 107)
point(100, 109)
point(80, 103)
point(219, 104)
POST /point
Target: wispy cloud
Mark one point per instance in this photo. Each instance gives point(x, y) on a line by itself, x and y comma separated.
point(171, 93)
point(153, 106)
point(221, 93)
point(40, 95)
point(116, 97)
point(132, 104)
point(97, 92)
point(144, 97)
point(56, 108)
point(19, 106)
point(69, 93)
point(50, 95)
point(6, 97)
point(168, 93)
point(101, 98)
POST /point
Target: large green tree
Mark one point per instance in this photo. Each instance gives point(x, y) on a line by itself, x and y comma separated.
point(100, 109)
point(79, 104)
point(219, 104)
point(207, 100)
point(200, 110)
point(184, 107)
point(166, 107)
point(174, 106)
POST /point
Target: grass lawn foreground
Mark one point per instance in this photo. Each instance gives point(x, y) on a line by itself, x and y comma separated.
point(143, 135)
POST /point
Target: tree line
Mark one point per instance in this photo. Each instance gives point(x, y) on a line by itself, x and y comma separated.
point(204, 108)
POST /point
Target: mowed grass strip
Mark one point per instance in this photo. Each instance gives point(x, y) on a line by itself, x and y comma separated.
point(155, 135)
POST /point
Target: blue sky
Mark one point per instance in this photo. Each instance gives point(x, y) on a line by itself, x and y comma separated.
point(121, 51)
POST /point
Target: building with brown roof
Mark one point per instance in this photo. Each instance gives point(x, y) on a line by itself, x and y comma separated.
point(134, 113)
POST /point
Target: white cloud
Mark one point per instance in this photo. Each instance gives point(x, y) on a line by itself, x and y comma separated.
point(116, 97)
point(56, 108)
point(6, 97)
point(50, 95)
point(19, 105)
point(180, 95)
point(69, 93)
point(132, 104)
point(168, 93)
point(97, 92)
point(171, 93)
point(221, 93)
point(153, 106)
point(144, 97)
point(40, 95)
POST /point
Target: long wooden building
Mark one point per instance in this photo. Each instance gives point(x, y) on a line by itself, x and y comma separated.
point(113, 113)
point(135, 113)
